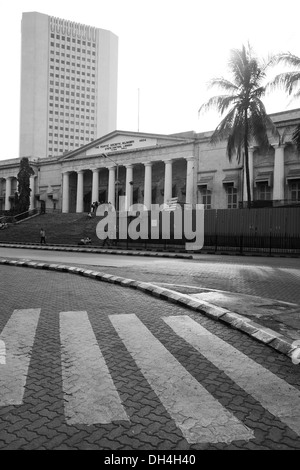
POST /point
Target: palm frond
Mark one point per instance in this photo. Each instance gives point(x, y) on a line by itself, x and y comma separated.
point(296, 137)
point(297, 94)
point(258, 92)
point(268, 62)
point(286, 58)
point(236, 141)
point(224, 128)
point(287, 80)
point(221, 103)
point(221, 82)
point(237, 65)
point(234, 148)
point(231, 128)
point(260, 123)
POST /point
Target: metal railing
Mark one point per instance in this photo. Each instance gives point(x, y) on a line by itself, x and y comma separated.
point(267, 244)
point(15, 218)
point(25, 215)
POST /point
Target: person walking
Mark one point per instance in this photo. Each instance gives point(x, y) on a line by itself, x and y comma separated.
point(43, 236)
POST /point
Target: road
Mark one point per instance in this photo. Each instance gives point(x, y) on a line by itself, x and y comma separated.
point(90, 365)
point(273, 278)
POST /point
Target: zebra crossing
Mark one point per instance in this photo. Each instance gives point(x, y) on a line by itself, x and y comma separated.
point(91, 396)
point(17, 338)
point(95, 398)
point(178, 390)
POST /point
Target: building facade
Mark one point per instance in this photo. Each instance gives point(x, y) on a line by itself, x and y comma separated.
point(153, 168)
point(68, 85)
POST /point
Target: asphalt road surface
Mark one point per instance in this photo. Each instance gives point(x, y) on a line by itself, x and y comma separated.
point(274, 278)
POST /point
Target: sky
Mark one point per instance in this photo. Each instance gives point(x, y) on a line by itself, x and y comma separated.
point(168, 51)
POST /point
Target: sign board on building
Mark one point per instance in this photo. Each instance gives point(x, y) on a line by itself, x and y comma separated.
point(121, 143)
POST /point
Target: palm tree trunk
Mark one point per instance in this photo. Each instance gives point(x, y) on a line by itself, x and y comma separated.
point(246, 165)
point(246, 161)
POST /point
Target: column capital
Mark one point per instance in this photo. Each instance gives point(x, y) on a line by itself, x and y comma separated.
point(79, 172)
point(147, 163)
point(169, 160)
point(95, 170)
point(190, 159)
point(129, 165)
point(278, 145)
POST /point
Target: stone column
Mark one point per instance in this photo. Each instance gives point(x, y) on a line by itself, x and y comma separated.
point(245, 198)
point(7, 193)
point(278, 184)
point(32, 192)
point(95, 185)
point(148, 185)
point(65, 193)
point(189, 194)
point(111, 186)
point(79, 199)
point(129, 187)
point(168, 181)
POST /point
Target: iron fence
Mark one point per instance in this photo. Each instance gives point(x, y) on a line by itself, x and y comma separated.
point(258, 230)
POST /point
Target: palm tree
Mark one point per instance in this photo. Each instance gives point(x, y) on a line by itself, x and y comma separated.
point(246, 118)
point(290, 81)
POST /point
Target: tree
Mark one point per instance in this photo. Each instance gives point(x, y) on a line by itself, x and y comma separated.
point(247, 118)
point(290, 81)
point(24, 185)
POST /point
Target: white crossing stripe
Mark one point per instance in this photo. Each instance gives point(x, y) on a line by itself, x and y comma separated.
point(274, 394)
point(195, 411)
point(90, 395)
point(18, 337)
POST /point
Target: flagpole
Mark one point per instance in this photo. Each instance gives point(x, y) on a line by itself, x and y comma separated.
point(138, 110)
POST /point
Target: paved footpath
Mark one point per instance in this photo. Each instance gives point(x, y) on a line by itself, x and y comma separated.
point(92, 365)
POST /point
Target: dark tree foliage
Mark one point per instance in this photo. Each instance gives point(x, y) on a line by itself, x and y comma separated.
point(24, 186)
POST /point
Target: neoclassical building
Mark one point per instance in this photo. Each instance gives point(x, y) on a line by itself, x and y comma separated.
point(153, 168)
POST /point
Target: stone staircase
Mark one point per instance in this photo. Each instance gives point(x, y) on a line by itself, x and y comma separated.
point(65, 229)
point(68, 229)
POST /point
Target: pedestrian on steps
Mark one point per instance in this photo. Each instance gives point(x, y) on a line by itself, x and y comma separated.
point(43, 236)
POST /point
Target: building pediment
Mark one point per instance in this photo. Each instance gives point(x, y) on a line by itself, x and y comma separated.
point(121, 141)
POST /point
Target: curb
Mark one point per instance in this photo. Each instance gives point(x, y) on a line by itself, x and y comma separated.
point(96, 250)
point(262, 334)
point(150, 252)
point(265, 254)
